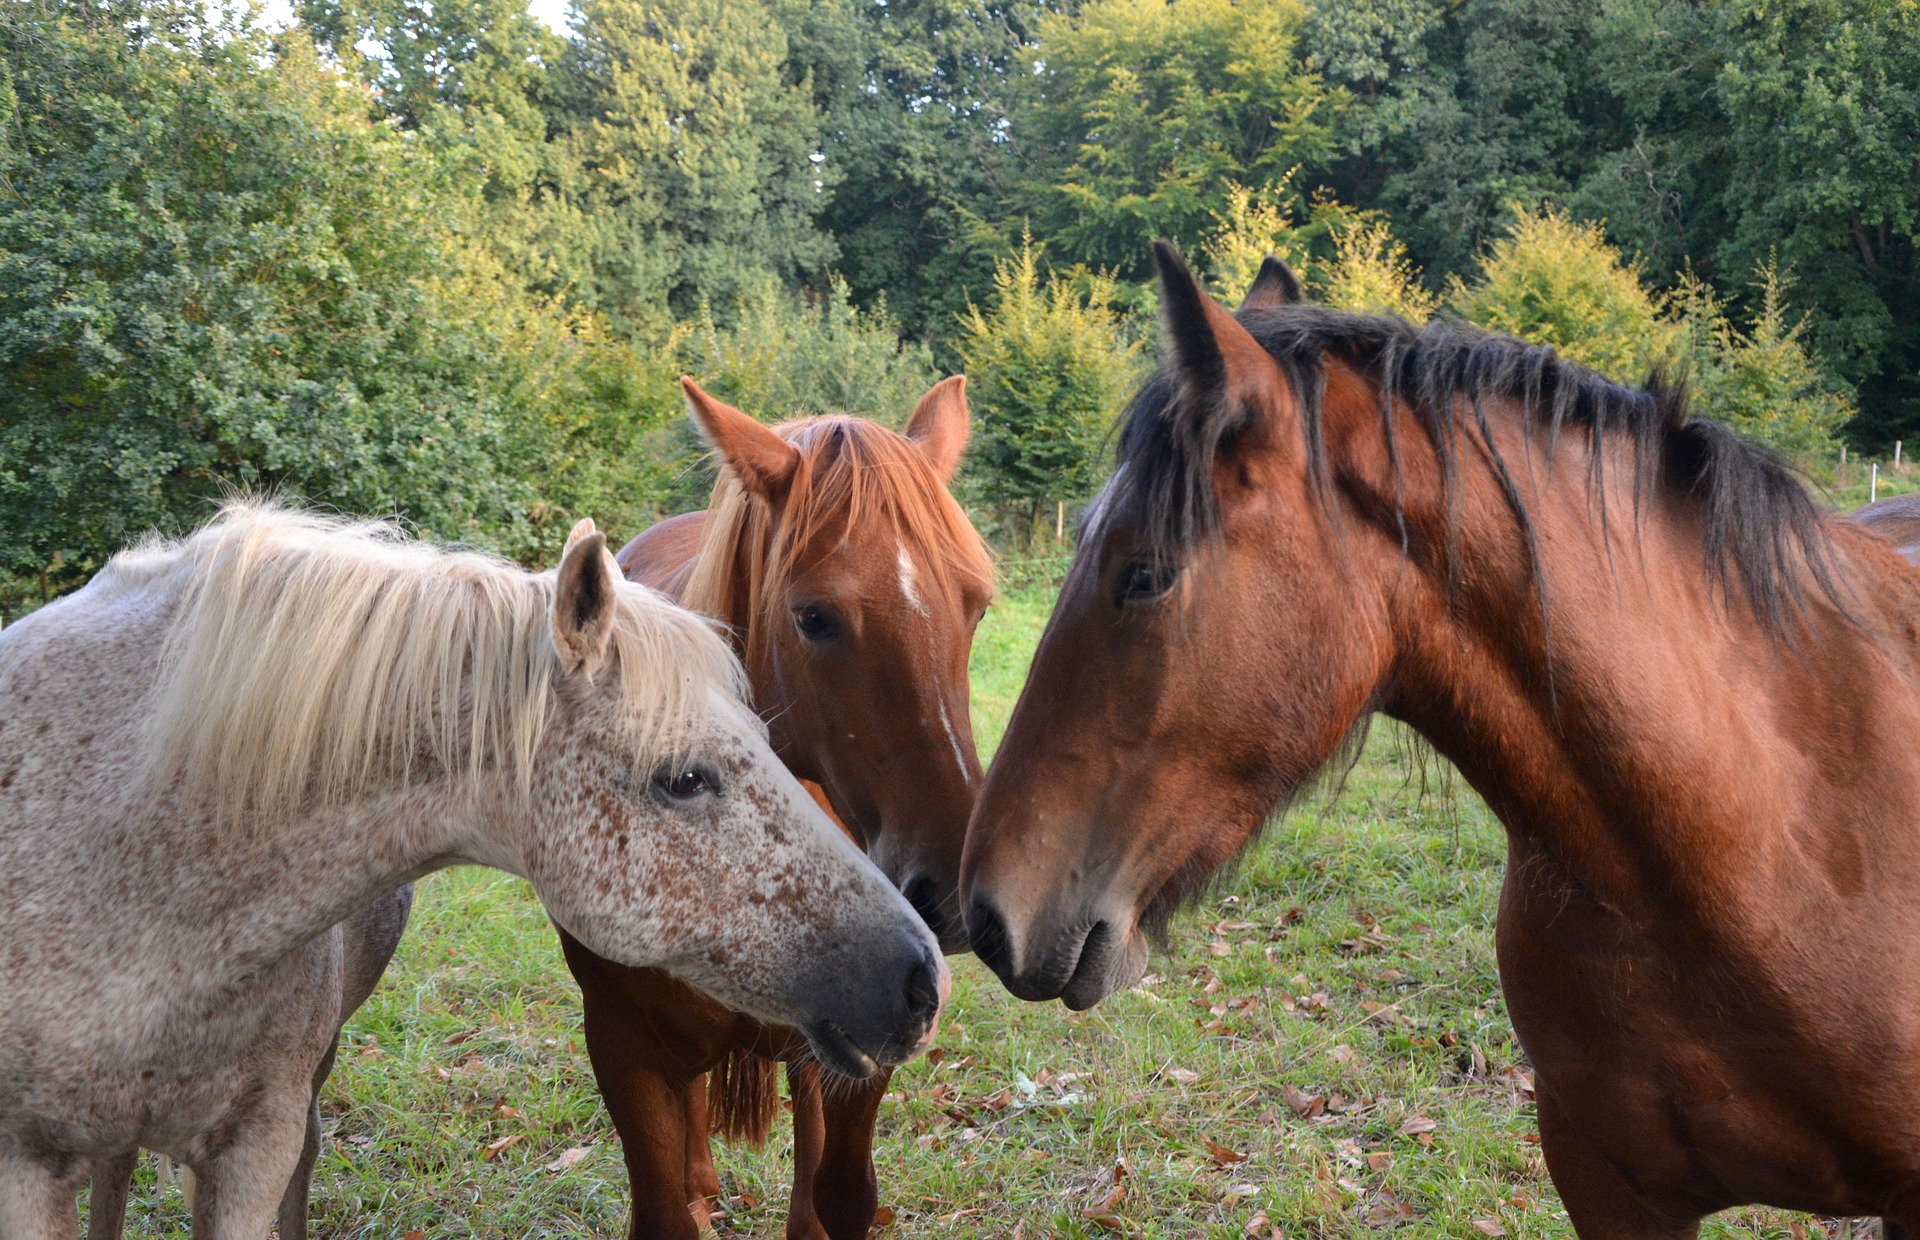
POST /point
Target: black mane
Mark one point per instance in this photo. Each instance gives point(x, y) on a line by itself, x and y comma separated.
point(1765, 537)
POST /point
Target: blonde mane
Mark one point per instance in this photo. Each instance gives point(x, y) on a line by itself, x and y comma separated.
point(313, 659)
point(853, 473)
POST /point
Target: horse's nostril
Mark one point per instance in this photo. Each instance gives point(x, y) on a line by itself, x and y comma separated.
point(923, 992)
point(924, 894)
point(988, 934)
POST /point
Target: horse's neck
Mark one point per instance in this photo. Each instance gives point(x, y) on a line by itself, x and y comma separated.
point(216, 896)
point(663, 555)
point(316, 870)
point(1642, 723)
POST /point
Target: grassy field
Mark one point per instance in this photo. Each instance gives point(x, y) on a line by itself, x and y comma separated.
point(1323, 1052)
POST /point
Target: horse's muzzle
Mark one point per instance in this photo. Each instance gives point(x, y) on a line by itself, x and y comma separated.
point(1079, 961)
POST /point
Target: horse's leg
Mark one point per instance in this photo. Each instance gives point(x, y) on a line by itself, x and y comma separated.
point(239, 1184)
point(1600, 1204)
point(107, 1203)
point(649, 1112)
point(809, 1142)
point(845, 1190)
point(38, 1201)
point(648, 1037)
point(703, 1178)
point(294, 1202)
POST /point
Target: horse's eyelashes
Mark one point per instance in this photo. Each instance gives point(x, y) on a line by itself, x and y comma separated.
point(687, 783)
point(1143, 580)
point(816, 623)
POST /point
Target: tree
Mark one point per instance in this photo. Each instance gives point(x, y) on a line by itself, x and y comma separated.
point(1460, 110)
point(1252, 226)
point(1785, 129)
point(1552, 280)
point(1762, 381)
point(787, 354)
point(1047, 367)
point(217, 272)
point(1146, 113)
point(691, 162)
point(916, 99)
point(1371, 274)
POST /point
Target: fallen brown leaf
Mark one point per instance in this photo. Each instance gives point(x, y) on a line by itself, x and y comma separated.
point(883, 1217)
point(1489, 1227)
point(496, 1148)
point(1223, 1156)
point(568, 1157)
point(1303, 1104)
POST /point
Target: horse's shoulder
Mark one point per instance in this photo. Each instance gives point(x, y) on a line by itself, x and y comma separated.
point(662, 555)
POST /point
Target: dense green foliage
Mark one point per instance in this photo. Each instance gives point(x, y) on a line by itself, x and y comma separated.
point(1048, 364)
point(1556, 282)
point(438, 259)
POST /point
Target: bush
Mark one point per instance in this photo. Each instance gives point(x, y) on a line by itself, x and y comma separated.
point(789, 354)
point(1552, 280)
point(1762, 381)
point(1048, 367)
point(216, 272)
point(1256, 224)
point(1370, 274)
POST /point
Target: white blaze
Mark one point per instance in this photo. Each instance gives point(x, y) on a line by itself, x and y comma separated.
point(959, 757)
point(909, 582)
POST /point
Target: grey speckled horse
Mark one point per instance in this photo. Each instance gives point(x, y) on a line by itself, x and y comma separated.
point(346, 963)
point(222, 748)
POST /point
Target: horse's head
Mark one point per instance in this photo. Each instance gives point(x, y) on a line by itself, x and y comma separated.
point(1214, 642)
point(671, 836)
point(856, 582)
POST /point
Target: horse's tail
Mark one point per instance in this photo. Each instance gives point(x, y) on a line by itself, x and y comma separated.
point(742, 1097)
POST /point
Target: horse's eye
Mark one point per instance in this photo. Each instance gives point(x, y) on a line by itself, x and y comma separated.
point(684, 785)
point(816, 624)
point(1141, 580)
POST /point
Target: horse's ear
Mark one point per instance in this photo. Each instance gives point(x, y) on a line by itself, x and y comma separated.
point(940, 424)
point(1206, 346)
point(1276, 285)
point(764, 462)
point(583, 601)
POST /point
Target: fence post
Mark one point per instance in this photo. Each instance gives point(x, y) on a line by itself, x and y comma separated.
point(1896, 454)
point(1060, 521)
point(1873, 485)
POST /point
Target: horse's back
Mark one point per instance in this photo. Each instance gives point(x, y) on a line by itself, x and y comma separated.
point(662, 556)
point(73, 677)
point(1896, 519)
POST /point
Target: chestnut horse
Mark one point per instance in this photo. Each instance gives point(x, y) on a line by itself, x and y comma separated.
point(852, 582)
point(1691, 695)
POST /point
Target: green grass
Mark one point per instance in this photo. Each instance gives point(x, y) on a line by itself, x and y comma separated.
point(1349, 959)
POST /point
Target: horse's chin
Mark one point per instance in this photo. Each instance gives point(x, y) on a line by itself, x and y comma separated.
point(838, 1053)
point(1108, 962)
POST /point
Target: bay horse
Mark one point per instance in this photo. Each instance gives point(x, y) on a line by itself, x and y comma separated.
point(1690, 694)
point(851, 582)
point(221, 747)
